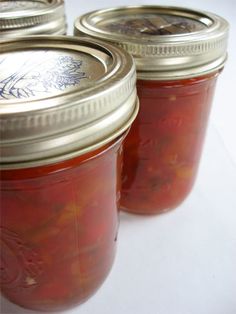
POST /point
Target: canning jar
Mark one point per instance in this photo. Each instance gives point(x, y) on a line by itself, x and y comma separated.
point(31, 17)
point(65, 106)
point(179, 54)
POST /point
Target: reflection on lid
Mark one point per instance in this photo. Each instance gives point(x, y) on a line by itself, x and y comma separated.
point(151, 24)
point(6, 6)
point(38, 74)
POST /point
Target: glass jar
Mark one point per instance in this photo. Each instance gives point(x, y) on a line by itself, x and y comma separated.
point(178, 53)
point(61, 155)
point(31, 17)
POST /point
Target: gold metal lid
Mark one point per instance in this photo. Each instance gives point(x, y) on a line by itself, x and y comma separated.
point(166, 42)
point(31, 17)
point(61, 97)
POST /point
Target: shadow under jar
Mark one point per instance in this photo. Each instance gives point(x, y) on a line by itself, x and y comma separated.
point(65, 108)
point(31, 17)
point(179, 54)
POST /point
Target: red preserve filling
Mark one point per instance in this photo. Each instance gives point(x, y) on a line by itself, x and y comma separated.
point(163, 147)
point(58, 229)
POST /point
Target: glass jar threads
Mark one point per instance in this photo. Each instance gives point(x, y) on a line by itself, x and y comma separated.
point(40, 17)
point(179, 53)
point(65, 107)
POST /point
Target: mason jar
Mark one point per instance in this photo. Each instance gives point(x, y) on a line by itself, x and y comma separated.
point(65, 107)
point(179, 54)
point(31, 17)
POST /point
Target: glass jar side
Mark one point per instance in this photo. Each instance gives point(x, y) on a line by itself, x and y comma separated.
point(163, 149)
point(59, 229)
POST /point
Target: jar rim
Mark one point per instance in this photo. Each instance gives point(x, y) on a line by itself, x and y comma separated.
point(199, 48)
point(21, 18)
point(86, 98)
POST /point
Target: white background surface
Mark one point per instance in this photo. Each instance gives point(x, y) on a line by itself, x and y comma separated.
point(182, 262)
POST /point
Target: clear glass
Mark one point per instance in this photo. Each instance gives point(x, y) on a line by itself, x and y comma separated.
point(163, 148)
point(59, 229)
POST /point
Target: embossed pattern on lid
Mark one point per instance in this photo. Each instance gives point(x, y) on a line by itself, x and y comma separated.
point(166, 42)
point(20, 17)
point(62, 97)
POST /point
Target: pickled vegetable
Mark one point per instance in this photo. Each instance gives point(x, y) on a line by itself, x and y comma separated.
point(163, 149)
point(59, 228)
